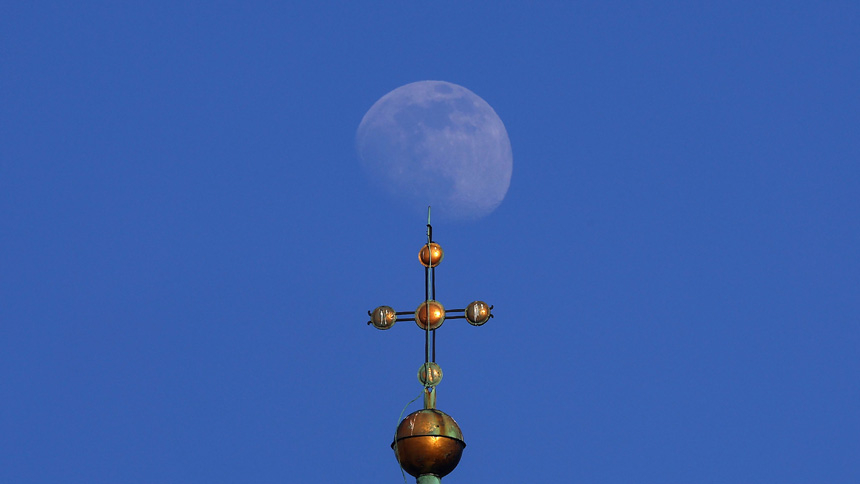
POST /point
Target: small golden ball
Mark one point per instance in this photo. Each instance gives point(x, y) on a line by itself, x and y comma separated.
point(383, 317)
point(477, 313)
point(430, 313)
point(431, 255)
point(430, 374)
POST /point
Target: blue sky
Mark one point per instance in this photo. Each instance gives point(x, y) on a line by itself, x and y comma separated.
point(188, 246)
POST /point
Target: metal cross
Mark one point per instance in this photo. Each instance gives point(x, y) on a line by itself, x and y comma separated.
point(428, 443)
point(430, 315)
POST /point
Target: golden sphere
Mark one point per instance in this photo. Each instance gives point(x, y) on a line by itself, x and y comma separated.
point(383, 317)
point(477, 313)
point(428, 441)
point(430, 374)
point(430, 255)
point(430, 313)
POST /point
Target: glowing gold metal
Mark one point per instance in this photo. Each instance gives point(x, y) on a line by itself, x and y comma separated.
point(428, 441)
point(430, 313)
point(430, 255)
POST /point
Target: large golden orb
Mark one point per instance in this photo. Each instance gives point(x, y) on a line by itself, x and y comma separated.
point(430, 313)
point(428, 442)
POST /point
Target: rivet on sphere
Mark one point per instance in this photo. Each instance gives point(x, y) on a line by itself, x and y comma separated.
point(431, 255)
point(430, 313)
point(430, 374)
point(383, 317)
point(477, 313)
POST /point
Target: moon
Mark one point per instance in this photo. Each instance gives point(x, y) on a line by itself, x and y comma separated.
point(436, 143)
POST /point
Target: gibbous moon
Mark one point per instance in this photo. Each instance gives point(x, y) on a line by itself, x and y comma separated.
point(439, 144)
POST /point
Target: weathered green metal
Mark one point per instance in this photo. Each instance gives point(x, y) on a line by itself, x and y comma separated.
point(429, 398)
point(428, 479)
point(430, 374)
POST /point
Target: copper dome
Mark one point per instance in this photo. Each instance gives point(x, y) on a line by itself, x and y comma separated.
point(428, 442)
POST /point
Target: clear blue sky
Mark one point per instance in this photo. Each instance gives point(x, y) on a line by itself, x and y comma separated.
point(188, 247)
